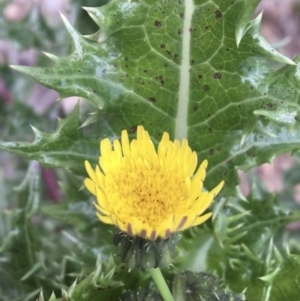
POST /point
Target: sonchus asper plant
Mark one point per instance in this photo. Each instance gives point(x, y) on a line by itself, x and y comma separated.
point(199, 76)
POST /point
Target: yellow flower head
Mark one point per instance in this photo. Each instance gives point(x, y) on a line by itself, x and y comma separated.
point(149, 193)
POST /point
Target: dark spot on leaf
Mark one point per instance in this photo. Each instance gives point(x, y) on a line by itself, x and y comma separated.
point(133, 129)
point(211, 152)
point(218, 14)
point(191, 29)
point(166, 65)
point(195, 109)
point(145, 71)
point(126, 66)
point(157, 24)
point(161, 79)
point(179, 31)
point(206, 88)
point(162, 46)
point(251, 88)
point(270, 105)
point(192, 61)
point(152, 99)
point(217, 75)
point(199, 76)
point(79, 70)
point(181, 15)
point(227, 49)
point(210, 129)
point(208, 115)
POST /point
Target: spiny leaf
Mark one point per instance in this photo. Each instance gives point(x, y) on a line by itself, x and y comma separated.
point(106, 283)
point(242, 21)
point(76, 209)
point(243, 245)
point(285, 285)
point(21, 245)
point(254, 254)
point(175, 66)
point(66, 147)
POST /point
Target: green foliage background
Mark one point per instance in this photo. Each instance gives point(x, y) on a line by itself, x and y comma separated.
point(198, 70)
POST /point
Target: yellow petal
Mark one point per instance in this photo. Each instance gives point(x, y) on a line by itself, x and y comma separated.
point(117, 148)
point(184, 221)
point(125, 143)
point(165, 228)
point(201, 219)
point(90, 186)
point(101, 198)
point(202, 203)
point(100, 177)
point(90, 171)
point(105, 148)
point(102, 210)
point(218, 188)
point(105, 219)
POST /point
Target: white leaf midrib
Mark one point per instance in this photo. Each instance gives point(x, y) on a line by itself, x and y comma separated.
point(181, 122)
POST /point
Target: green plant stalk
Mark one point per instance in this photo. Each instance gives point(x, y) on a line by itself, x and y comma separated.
point(161, 284)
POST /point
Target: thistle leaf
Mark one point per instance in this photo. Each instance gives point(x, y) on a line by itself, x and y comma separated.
point(284, 285)
point(249, 256)
point(175, 66)
point(66, 147)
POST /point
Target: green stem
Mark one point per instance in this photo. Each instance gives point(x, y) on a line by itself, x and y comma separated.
point(161, 284)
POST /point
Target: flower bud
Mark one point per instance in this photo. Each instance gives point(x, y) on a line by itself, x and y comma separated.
point(190, 286)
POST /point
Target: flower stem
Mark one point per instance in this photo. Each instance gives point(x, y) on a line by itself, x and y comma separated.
point(161, 284)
